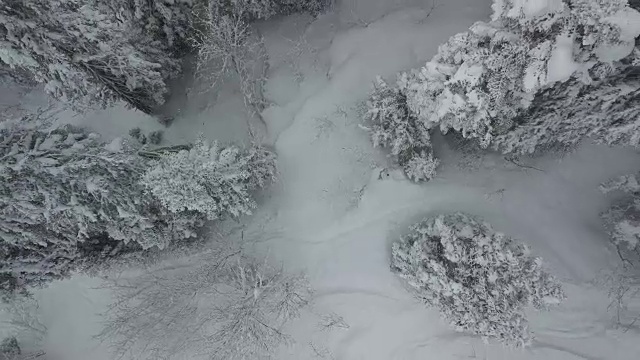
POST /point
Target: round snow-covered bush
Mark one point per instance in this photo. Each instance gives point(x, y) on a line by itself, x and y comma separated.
point(421, 167)
point(480, 280)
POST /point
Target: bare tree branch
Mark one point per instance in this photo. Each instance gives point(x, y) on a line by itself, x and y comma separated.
point(227, 307)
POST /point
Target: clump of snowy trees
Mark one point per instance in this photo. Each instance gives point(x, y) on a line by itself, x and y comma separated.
point(605, 111)
point(89, 52)
point(68, 201)
point(97, 52)
point(480, 280)
point(538, 75)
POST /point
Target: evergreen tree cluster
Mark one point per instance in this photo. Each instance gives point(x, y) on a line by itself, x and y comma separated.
point(67, 200)
point(538, 75)
point(90, 52)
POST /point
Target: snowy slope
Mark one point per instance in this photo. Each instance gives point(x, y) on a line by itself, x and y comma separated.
point(337, 207)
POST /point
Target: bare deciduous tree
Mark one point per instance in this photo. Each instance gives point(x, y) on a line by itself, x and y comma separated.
point(230, 47)
point(623, 288)
point(226, 307)
point(24, 321)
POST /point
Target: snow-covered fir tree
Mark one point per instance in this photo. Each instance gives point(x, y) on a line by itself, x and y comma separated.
point(480, 280)
point(482, 79)
point(393, 126)
point(96, 51)
point(65, 198)
point(210, 179)
point(606, 111)
point(168, 22)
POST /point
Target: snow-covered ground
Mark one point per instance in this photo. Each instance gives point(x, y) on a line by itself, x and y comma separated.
point(337, 207)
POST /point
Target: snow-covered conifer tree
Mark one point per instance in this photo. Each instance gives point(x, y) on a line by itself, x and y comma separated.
point(211, 180)
point(606, 111)
point(480, 280)
point(64, 198)
point(168, 21)
point(395, 127)
point(94, 51)
point(482, 79)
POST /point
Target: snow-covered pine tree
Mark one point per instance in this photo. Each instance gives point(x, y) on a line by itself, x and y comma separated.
point(482, 79)
point(393, 126)
point(480, 280)
point(167, 21)
point(65, 198)
point(606, 111)
point(211, 180)
point(91, 51)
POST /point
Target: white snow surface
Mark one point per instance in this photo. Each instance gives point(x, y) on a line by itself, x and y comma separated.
point(526, 8)
point(561, 64)
point(338, 206)
point(628, 20)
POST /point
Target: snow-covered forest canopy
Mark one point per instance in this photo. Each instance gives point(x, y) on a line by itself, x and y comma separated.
point(319, 179)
